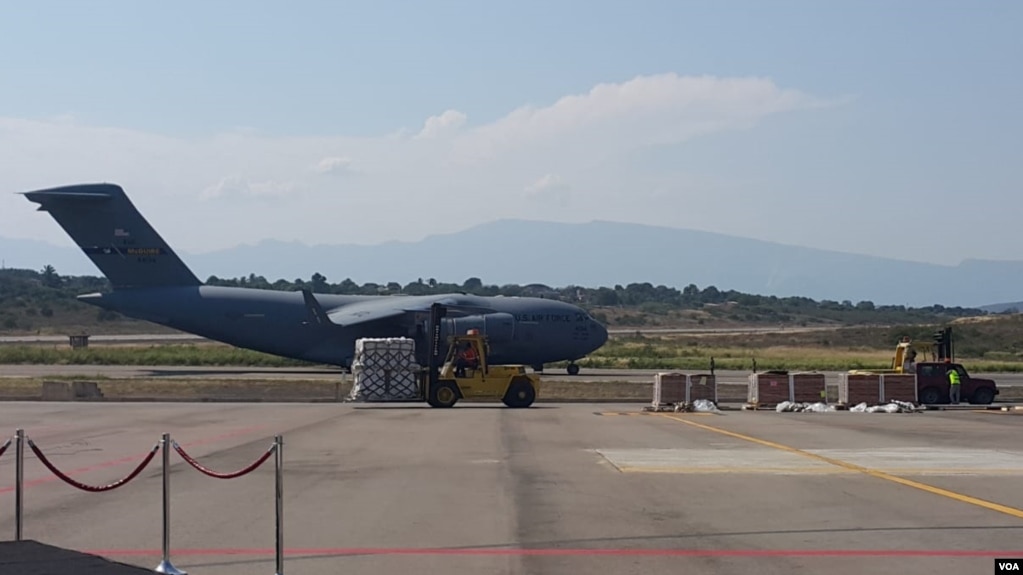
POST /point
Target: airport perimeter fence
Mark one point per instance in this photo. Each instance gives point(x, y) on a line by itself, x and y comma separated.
point(20, 440)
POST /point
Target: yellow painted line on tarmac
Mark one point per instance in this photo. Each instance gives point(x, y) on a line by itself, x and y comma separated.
point(1018, 513)
point(733, 470)
point(813, 470)
point(639, 413)
point(950, 471)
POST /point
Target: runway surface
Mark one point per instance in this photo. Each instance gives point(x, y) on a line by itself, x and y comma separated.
point(559, 489)
point(270, 373)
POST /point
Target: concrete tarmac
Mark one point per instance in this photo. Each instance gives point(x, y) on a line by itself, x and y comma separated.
point(313, 373)
point(557, 488)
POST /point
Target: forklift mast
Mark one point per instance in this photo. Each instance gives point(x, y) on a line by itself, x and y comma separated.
point(943, 345)
point(437, 313)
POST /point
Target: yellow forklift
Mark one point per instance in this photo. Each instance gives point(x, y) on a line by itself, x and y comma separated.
point(444, 383)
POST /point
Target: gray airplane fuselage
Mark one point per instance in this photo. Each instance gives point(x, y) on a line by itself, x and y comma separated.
point(151, 282)
point(530, 331)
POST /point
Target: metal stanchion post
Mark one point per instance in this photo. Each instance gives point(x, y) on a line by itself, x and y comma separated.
point(165, 566)
point(279, 464)
point(19, 484)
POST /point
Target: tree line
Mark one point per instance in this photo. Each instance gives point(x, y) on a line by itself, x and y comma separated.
point(45, 290)
point(637, 294)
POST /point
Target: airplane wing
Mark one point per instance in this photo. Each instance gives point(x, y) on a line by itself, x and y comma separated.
point(355, 314)
point(384, 308)
point(455, 308)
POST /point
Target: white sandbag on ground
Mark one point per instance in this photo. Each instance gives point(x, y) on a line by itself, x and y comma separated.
point(894, 406)
point(792, 406)
point(704, 405)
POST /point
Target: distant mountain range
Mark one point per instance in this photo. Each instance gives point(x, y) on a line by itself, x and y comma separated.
point(595, 254)
point(1016, 307)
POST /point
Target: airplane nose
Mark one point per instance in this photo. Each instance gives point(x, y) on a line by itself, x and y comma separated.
point(599, 333)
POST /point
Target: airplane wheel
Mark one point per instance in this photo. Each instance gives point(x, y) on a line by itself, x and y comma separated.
point(573, 369)
point(538, 368)
point(445, 394)
point(520, 394)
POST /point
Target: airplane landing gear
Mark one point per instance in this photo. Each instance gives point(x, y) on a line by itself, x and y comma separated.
point(573, 369)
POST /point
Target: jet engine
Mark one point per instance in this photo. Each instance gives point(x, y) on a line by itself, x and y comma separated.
point(498, 327)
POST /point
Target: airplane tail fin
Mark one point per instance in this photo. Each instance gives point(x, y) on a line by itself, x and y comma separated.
point(110, 230)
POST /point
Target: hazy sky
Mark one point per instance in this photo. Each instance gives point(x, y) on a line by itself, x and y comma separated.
point(888, 128)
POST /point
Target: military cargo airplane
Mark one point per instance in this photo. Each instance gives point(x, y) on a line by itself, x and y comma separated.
point(150, 282)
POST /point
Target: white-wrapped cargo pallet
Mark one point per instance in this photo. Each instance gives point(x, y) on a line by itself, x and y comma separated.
point(385, 369)
point(768, 390)
point(899, 387)
point(680, 390)
point(669, 389)
point(856, 388)
point(702, 386)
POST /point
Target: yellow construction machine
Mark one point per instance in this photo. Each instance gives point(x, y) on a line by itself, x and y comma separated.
point(906, 353)
point(445, 384)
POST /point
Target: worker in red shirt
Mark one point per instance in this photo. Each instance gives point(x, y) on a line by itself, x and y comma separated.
point(466, 358)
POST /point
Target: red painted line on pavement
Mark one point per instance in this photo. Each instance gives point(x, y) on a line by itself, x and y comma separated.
point(114, 462)
point(571, 552)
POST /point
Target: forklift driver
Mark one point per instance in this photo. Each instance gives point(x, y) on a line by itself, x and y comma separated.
point(466, 358)
point(909, 366)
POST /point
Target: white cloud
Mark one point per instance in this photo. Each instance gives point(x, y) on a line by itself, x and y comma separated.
point(334, 165)
point(446, 123)
point(229, 186)
point(644, 111)
point(447, 176)
point(549, 188)
point(235, 186)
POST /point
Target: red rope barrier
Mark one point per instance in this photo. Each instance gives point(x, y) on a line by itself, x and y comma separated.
point(4, 447)
point(91, 488)
point(212, 473)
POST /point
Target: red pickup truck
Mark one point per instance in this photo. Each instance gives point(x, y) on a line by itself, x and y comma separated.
point(932, 384)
